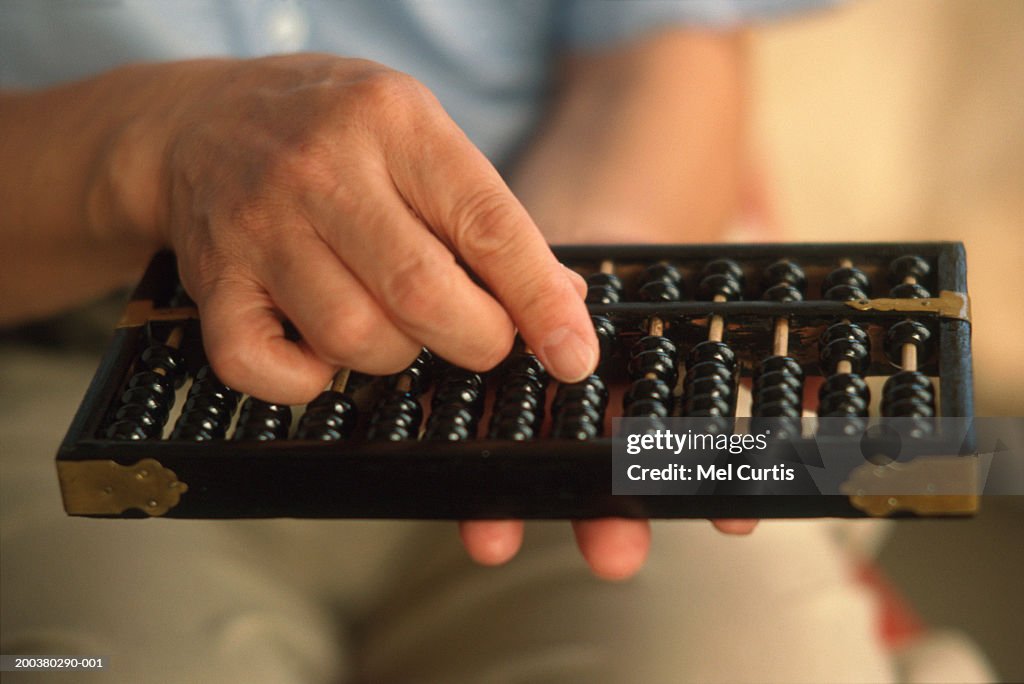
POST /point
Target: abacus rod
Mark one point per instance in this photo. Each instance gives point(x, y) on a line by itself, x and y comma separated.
point(780, 344)
point(716, 326)
point(607, 266)
point(844, 367)
point(404, 383)
point(845, 263)
point(909, 357)
point(340, 381)
point(909, 352)
point(175, 336)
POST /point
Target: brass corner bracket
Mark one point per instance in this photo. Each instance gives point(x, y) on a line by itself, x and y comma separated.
point(104, 487)
point(947, 305)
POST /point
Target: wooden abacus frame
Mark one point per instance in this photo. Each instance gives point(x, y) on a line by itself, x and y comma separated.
point(485, 478)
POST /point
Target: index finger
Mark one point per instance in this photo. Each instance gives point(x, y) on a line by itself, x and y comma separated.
point(459, 194)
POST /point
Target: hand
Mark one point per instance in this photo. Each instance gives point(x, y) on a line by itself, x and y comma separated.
point(338, 194)
point(642, 146)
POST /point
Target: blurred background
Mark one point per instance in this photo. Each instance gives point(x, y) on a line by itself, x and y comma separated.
point(904, 120)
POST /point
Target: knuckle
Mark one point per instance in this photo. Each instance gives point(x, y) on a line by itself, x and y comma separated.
point(346, 337)
point(496, 350)
point(389, 363)
point(484, 224)
point(234, 364)
point(383, 89)
point(413, 291)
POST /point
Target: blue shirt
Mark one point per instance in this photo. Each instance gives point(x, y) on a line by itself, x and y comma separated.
point(486, 60)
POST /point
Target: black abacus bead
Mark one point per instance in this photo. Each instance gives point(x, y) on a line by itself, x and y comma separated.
point(606, 334)
point(778, 409)
point(458, 393)
point(719, 284)
point(194, 433)
point(656, 363)
point(154, 382)
point(580, 392)
point(662, 272)
point(779, 364)
point(710, 379)
point(910, 391)
point(453, 414)
point(127, 430)
point(786, 272)
point(525, 365)
point(647, 408)
point(708, 350)
point(844, 395)
point(263, 421)
point(847, 276)
point(599, 294)
point(523, 384)
point(609, 280)
point(851, 331)
point(659, 291)
point(654, 343)
point(167, 359)
point(845, 350)
point(198, 420)
point(213, 389)
point(706, 406)
point(907, 332)
point(845, 293)
point(581, 431)
point(419, 373)
point(519, 414)
point(208, 404)
point(447, 432)
point(154, 402)
point(389, 433)
point(603, 288)
point(908, 265)
point(726, 267)
point(909, 291)
point(509, 428)
point(399, 409)
point(783, 293)
point(141, 415)
point(578, 411)
point(645, 389)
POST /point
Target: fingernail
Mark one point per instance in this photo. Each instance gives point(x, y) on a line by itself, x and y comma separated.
point(568, 356)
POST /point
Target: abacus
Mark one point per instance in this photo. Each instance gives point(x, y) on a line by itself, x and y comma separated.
point(681, 328)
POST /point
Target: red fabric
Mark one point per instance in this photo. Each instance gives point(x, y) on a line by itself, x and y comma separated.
point(899, 623)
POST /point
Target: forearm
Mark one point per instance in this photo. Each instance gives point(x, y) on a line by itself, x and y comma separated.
point(643, 143)
point(78, 188)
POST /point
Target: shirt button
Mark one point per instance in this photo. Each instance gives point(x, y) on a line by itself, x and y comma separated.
point(287, 27)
